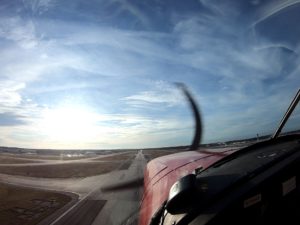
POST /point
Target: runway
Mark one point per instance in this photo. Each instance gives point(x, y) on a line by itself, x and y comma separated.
point(118, 207)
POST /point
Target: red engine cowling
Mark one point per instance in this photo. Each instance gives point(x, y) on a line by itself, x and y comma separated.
point(161, 173)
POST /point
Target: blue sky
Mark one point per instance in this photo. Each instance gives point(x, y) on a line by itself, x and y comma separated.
point(99, 74)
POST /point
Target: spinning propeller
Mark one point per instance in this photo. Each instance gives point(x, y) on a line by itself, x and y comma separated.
point(138, 182)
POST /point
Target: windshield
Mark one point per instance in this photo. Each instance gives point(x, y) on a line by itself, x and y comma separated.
point(292, 114)
point(88, 94)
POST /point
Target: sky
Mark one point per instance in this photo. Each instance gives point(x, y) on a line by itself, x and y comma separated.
point(100, 74)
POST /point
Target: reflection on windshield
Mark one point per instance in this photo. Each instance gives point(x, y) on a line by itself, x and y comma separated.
point(292, 125)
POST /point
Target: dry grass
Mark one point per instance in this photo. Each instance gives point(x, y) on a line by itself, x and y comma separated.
point(77, 169)
point(152, 154)
point(27, 206)
point(11, 160)
point(67, 170)
point(49, 157)
point(119, 157)
point(70, 169)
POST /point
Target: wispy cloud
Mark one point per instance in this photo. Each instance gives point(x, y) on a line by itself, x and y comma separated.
point(135, 11)
point(39, 6)
point(10, 119)
point(9, 93)
point(162, 94)
point(270, 9)
point(18, 30)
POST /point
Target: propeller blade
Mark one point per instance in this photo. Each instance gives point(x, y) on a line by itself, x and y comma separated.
point(138, 182)
point(134, 183)
point(197, 116)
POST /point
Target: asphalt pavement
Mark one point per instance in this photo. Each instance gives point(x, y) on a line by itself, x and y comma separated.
point(109, 208)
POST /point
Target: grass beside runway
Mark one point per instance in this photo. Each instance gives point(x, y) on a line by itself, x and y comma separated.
point(79, 169)
point(61, 170)
point(152, 154)
point(70, 169)
point(27, 206)
point(5, 159)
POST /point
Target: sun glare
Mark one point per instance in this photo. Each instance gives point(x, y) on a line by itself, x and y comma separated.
point(69, 124)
